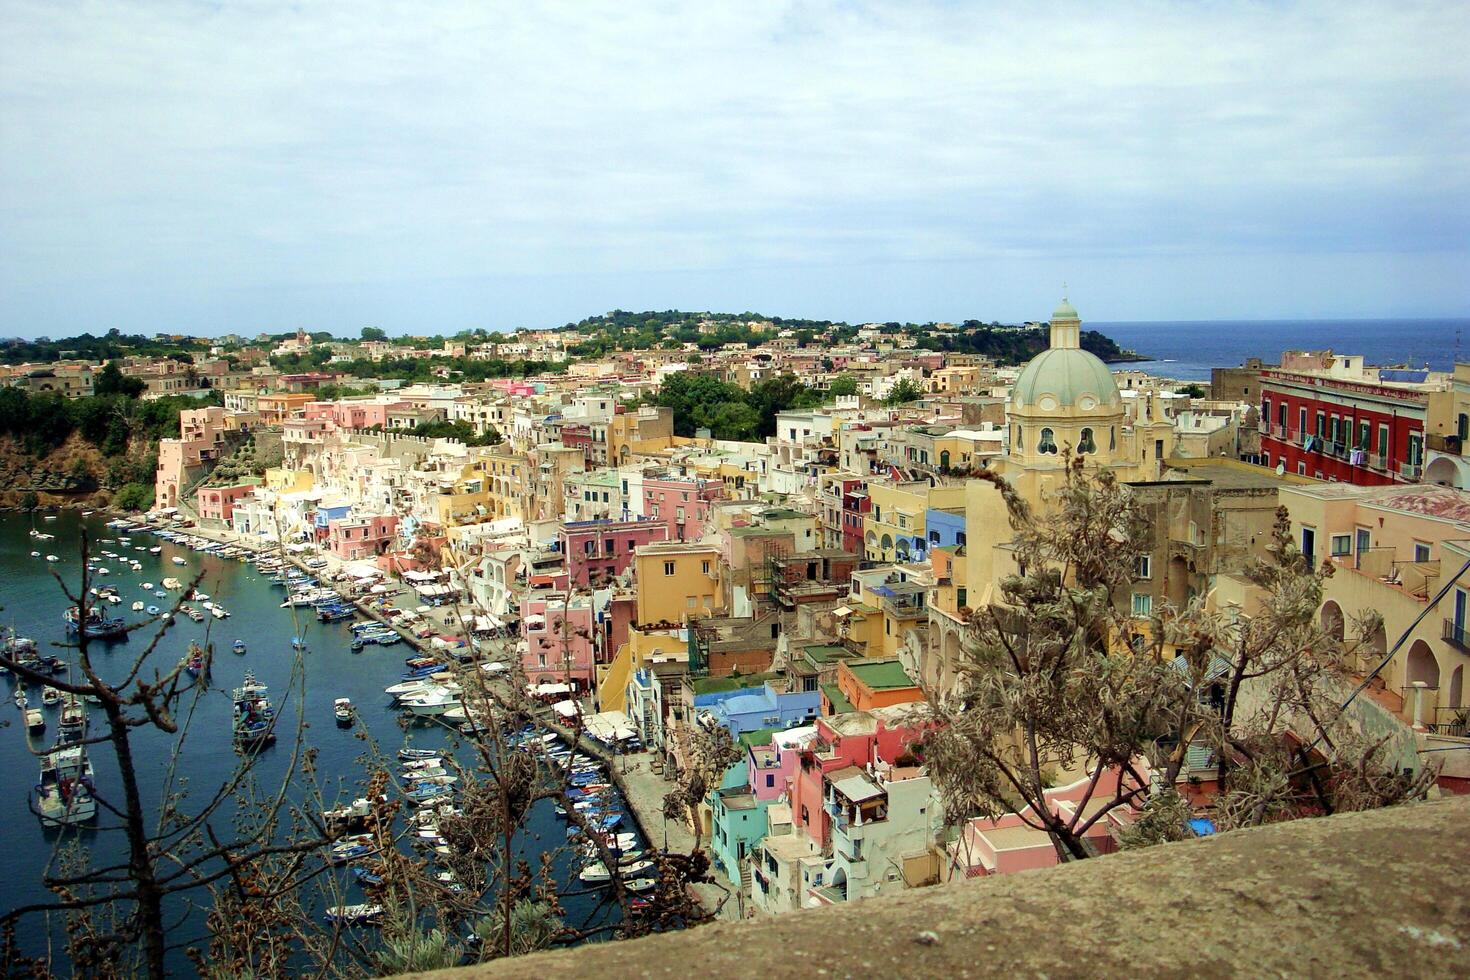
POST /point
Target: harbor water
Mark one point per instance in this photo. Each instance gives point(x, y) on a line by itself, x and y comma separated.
point(33, 605)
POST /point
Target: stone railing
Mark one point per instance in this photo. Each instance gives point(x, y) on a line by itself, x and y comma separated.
point(1361, 894)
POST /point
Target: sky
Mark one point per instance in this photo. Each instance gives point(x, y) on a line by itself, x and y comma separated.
point(434, 167)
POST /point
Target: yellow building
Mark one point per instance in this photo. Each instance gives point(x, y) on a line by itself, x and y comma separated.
point(678, 580)
point(894, 529)
point(643, 647)
point(283, 480)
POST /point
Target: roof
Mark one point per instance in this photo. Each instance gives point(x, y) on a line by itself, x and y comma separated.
point(854, 784)
point(840, 704)
point(1067, 374)
point(880, 675)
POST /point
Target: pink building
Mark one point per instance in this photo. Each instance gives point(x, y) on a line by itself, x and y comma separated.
point(1011, 843)
point(773, 767)
point(516, 389)
point(201, 439)
point(681, 502)
point(853, 739)
point(218, 503)
point(604, 549)
point(558, 640)
point(352, 538)
point(350, 414)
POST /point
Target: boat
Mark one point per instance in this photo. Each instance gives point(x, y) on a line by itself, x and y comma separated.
point(428, 705)
point(35, 554)
point(298, 643)
point(428, 793)
point(138, 606)
point(151, 610)
point(159, 593)
point(219, 612)
point(424, 764)
point(98, 626)
point(179, 561)
point(64, 793)
point(595, 873)
point(352, 848)
point(156, 549)
point(35, 720)
point(356, 646)
point(634, 870)
point(254, 723)
point(418, 754)
point(50, 696)
point(20, 697)
point(366, 877)
point(342, 708)
point(638, 885)
point(52, 558)
point(238, 646)
point(353, 915)
point(147, 586)
point(197, 660)
point(172, 584)
point(73, 724)
point(358, 813)
point(192, 613)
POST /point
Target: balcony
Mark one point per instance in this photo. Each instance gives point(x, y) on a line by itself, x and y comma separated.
point(1456, 634)
point(1452, 722)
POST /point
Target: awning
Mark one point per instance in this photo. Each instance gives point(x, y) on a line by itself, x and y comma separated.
point(567, 709)
point(546, 690)
point(842, 611)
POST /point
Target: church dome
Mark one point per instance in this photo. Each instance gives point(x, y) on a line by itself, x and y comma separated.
point(1066, 378)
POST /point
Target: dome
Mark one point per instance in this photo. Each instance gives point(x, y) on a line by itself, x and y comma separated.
point(1064, 311)
point(1071, 376)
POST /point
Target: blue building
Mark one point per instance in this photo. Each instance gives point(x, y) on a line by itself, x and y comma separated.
point(752, 708)
point(943, 528)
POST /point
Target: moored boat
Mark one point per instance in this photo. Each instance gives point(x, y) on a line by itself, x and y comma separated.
point(344, 712)
point(64, 793)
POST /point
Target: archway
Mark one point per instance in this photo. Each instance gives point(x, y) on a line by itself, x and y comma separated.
point(944, 459)
point(839, 882)
point(886, 545)
point(1421, 666)
point(1455, 696)
point(1441, 471)
point(1332, 620)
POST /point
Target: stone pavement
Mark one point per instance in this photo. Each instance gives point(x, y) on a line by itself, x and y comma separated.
point(644, 790)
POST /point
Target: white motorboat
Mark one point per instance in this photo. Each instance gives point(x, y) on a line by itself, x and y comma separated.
point(155, 550)
point(52, 558)
point(137, 606)
point(179, 561)
point(429, 705)
point(35, 554)
point(343, 710)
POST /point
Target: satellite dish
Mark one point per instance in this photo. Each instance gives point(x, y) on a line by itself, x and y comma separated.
point(1280, 469)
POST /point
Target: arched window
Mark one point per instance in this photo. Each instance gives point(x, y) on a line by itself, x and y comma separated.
point(1016, 442)
point(1085, 444)
point(1047, 444)
point(944, 459)
point(1112, 438)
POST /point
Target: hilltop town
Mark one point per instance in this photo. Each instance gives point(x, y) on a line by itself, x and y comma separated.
point(789, 531)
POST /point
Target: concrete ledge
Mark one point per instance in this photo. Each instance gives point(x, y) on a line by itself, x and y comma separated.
point(1384, 893)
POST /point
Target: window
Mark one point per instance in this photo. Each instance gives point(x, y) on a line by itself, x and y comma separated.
point(1145, 568)
point(770, 780)
point(668, 568)
point(704, 567)
point(689, 602)
point(1143, 604)
point(1085, 444)
point(1365, 436)
point(1342, 544)
point(1301, 422)
point(1046, 445)
point(1321, 424)
point(1301, 468)
point(961, 596)
point(1421, 551)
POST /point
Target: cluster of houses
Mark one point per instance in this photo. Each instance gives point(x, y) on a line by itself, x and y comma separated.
point(810, 592)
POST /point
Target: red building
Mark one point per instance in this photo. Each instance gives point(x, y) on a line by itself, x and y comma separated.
point(366, 537)
point(604, 549)
point(1346, 424)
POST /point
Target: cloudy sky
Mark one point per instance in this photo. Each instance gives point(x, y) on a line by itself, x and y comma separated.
point(438, 166)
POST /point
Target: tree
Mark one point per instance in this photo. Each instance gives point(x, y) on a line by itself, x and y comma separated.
point(905, 391)
point(111, 381)
point(133, 496)
point(29, 501)
point(374, 333)
point(1194, 391)
point(843, 384)
point(1059, 675)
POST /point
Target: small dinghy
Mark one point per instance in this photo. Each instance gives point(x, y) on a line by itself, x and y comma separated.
point(238, 646)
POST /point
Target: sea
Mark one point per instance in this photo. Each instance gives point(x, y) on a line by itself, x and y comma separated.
point(32, 603)
point(1186, 350)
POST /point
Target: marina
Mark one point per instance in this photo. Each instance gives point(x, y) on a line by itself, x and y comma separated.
point(352, 685)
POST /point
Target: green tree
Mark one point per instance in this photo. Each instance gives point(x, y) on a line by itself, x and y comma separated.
point(374, 333)
point(905, 391)
point(133, 496)
point(111, 381)
point(29, 501)
point(843, 384)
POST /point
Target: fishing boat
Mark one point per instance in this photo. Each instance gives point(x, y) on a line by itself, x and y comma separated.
point(344, 712)
point(353, 816)
point(238, 646)
point(254, 723)
point(35, 720)
point(352, 848)
point(64, 793)
point(428, 794)
point(196, 662)
point(595, 873)
point(408, 754)
point(353, 915)
point(73, 724)
point(98, 626)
